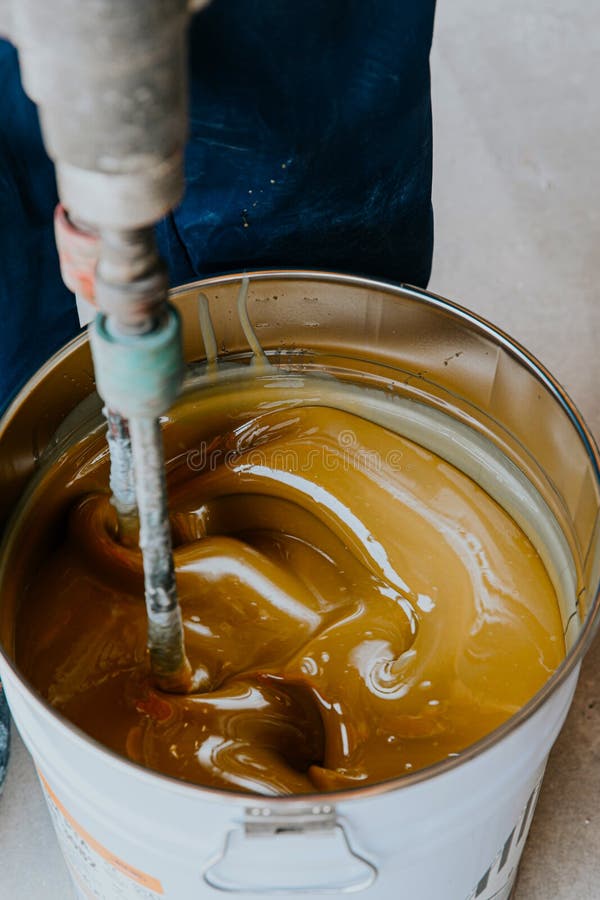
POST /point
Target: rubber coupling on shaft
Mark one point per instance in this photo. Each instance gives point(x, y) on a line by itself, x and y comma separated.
point(138, 375)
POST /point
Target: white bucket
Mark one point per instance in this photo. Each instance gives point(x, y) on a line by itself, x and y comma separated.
point(454, 831)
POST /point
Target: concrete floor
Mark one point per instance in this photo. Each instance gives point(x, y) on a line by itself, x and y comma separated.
point(517, 199)
point(517, 202)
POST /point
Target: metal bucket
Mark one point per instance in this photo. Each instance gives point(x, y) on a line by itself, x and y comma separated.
point(454, 831)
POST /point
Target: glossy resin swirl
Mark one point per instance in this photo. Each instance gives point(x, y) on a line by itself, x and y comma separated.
point(355, 607)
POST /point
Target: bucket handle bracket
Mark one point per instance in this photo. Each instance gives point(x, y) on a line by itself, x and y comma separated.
point(304, 850)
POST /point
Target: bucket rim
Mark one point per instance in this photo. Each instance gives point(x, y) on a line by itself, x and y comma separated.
point(572, 658)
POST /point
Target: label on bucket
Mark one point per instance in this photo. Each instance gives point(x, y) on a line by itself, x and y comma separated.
point(98, 873)
point(497, 882)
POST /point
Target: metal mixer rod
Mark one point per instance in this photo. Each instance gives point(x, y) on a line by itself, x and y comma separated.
point(110, 80)
point(122, 479)
point(138, 362)
point(170, 667)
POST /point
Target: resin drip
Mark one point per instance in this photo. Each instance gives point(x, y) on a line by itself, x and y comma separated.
point(360, 608)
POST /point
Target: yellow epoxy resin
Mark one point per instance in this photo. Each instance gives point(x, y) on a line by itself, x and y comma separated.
point(356, 607)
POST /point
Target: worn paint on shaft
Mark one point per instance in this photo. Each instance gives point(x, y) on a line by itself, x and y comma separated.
point(168, 661)
point(122, 479)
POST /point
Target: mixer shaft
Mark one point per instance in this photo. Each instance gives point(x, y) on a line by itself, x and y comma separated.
point(136, 345)
point(170, 668)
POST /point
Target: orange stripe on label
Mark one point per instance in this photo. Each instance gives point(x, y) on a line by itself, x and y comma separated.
point(152, 884)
